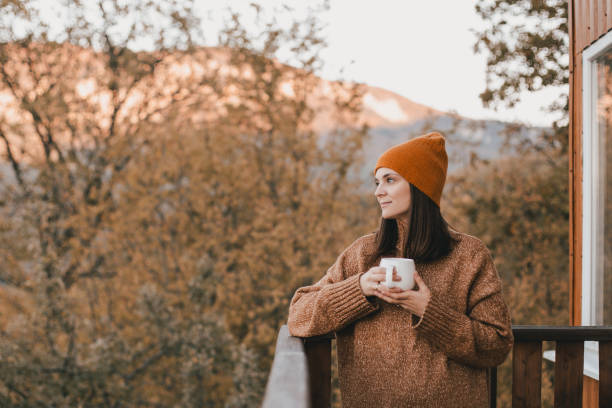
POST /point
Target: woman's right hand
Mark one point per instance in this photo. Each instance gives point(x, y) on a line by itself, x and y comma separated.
point(370, 280)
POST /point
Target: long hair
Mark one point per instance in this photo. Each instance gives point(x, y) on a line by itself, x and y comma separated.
point(428, 238)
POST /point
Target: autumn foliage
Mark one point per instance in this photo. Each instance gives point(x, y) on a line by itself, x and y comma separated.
point(159, 208)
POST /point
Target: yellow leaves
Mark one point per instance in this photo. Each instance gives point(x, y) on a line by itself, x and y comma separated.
point(518, 206)
point(13, 302)
point(179, 202)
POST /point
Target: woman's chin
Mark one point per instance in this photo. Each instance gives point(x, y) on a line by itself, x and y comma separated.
point(388, 216)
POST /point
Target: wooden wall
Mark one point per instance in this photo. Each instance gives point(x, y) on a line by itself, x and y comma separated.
point(588, 20)
point(593, 19)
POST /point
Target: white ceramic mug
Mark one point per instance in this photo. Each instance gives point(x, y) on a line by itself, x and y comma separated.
point(405, 270)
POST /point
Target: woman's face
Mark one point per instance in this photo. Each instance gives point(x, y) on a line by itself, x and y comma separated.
point(392, 192)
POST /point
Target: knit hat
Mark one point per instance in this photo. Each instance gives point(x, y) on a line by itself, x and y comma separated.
point(422, 161)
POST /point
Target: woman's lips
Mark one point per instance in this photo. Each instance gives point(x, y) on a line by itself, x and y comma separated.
point(385, 204)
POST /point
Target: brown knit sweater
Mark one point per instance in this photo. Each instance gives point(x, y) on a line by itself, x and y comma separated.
point(382, 362)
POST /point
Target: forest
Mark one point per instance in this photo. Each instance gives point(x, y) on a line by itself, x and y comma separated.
point(159, 208)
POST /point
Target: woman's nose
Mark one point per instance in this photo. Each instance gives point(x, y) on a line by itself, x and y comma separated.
point(379, 190)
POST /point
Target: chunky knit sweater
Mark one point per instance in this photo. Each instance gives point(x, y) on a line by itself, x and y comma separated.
point(382, 360)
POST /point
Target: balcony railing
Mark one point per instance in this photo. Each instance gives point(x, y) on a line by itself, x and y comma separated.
point(301, 372)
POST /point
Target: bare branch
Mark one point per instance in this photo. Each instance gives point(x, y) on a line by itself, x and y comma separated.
point(148, 362)
point(13, 160)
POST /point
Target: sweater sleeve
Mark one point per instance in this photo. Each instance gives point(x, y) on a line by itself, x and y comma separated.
point(482, 337)
point(332, 303)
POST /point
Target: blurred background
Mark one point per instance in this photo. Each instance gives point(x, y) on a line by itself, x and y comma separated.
point(171, 171)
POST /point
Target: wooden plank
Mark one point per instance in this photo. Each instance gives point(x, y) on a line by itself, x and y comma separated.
point(572, 54)
point(569, 360)
point(582, 25)
point(318, 355)
point(601, 18)
point(288, 383)
point(588, 21)
point(590, 392)
point(327, 336)
point(492, 384)
point(594, 19)
point(576, 129)
point(578, 25)
point(605, 374)
point(562, 333)
point(527, 374)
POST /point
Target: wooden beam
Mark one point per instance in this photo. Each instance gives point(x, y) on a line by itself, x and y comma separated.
point(605, 374)
point(562, 333)
point(569, 360)
point(288, 381)
point(527, 374)
point(318, 355)
point(492, 383)
point(574, 181)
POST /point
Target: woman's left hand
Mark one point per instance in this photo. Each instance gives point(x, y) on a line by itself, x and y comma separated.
point(414, 300)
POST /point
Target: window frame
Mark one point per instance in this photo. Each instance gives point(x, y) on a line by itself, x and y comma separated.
point(590, 173)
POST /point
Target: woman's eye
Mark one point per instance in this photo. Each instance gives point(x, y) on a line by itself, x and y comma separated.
point(389, 180)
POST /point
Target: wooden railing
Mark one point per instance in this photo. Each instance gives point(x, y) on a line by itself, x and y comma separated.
point(569, 362)
point(288, 384)
point(301, 372)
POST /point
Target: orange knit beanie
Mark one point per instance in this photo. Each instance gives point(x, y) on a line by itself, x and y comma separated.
point(422, 161)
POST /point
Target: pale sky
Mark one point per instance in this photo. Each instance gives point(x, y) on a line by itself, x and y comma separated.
point(421, 50)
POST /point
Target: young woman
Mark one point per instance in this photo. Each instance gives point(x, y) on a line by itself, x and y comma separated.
point(425, 347)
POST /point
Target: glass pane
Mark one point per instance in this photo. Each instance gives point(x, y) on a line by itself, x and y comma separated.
point(603, 199)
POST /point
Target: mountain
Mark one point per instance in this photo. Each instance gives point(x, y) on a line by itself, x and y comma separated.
point(380, 108)
point(390, 117)
point(393, 119)
point(465, 138)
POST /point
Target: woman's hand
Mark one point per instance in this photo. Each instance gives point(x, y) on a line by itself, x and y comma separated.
point(414, 301)
point(374, 278)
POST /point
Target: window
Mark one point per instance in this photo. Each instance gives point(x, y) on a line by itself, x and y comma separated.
point(596, 193)
point(597, 183)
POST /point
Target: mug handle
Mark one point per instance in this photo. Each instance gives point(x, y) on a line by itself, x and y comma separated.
point(389, 276)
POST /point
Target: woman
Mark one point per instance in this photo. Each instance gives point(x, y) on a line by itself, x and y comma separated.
point(425, 347)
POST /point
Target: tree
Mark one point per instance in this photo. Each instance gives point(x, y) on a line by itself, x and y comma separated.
point(526, 43)
point(527, 46)
point(162, 206)
point(516, 206)
point(519, 204)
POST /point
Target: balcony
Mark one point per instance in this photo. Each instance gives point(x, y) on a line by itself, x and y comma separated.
point(301, 373)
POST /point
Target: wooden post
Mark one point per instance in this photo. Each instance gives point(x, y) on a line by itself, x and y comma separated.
point(605, 372)
point(301, 373)
point(288, 381)
point(492, 383)
point(318, 356)
point(569, 360)
point(527, 374)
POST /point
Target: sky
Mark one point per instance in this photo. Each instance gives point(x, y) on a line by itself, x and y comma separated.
point(422, 50)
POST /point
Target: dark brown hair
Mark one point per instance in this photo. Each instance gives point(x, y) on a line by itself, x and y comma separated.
point(428, 238)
